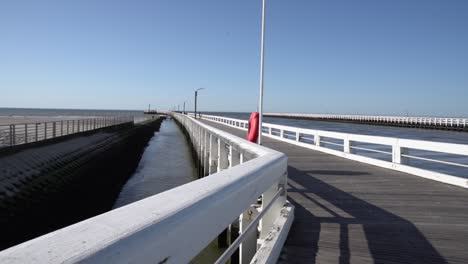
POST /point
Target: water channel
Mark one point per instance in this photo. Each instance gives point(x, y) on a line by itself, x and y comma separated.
point(165, 164)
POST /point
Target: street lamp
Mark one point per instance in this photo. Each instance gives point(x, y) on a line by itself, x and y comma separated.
point(196, 92)
point(184, 108)
point(262, 59)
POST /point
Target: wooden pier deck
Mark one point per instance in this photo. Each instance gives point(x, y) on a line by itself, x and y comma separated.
point(351, 212)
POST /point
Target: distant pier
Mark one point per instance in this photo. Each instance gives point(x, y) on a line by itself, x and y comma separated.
point(458, 124)
point(151, 112)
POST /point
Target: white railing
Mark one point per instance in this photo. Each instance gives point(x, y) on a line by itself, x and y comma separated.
point(397, 153)
point(174, 226)
point(17, 134)
point(461, 123)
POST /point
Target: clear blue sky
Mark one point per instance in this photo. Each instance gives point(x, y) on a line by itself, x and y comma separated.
point(322, 56)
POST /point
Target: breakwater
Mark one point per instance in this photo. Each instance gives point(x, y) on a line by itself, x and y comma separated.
point(458, 124)
point(46, 187)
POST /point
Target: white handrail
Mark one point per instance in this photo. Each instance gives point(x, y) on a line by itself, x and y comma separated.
point(399, 148)
point(174, 226)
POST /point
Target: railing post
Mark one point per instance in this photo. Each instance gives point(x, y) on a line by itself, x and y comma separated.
point(45, 130)
point(269, 218)
point(25, 133)
point(206, 162)
point(248, 247)
point(229, 156)
point(317, 140)
point(347, 145)
point(200, 150)
point(223, 162)
point(12, 135)
point(281, 133)
point(235, 157)
point(397, 153)
point(298, 137)
point(36, 132)
point(213, 158)
point(53, 129)
point(61, 128)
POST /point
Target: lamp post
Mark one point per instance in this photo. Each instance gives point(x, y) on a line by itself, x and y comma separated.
point(262, 59)
point(196, 93)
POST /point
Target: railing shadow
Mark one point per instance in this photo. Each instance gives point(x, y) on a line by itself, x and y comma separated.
point(388, 237)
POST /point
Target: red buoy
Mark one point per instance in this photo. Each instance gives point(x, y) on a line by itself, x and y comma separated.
point(252, 133)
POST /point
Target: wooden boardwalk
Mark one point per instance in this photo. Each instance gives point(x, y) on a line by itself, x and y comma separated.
point(351, 212)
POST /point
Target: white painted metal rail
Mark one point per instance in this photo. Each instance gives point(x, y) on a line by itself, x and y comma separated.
point(174, 226)
point(398, 154)
point(17, 134)
point(461, 123)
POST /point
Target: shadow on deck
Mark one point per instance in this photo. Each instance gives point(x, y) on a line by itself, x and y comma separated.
point(387, 237)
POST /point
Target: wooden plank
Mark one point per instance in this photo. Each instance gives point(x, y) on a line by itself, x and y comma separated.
point(351, 212)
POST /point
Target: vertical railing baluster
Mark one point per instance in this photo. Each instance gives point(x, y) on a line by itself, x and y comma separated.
point(25, 133)
point(53, 129)
point(346, 145)
point(213, 158)
point(205, 155)
point(317, 140)
point(12, 138)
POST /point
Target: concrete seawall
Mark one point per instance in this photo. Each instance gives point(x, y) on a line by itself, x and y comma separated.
point(48, 186)
point(196, 159)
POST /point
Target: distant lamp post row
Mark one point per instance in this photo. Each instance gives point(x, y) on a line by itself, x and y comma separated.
point(185, 102)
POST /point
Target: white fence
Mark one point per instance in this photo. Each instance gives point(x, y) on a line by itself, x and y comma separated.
point(174, 226)
point(17, 134)
point(399, 151)
point(461, 123)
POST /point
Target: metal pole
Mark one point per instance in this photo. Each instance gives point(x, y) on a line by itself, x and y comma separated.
point(262, 59)
point(184, 109)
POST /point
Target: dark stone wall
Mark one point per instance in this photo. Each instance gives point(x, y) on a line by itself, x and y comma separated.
point(44, 188)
